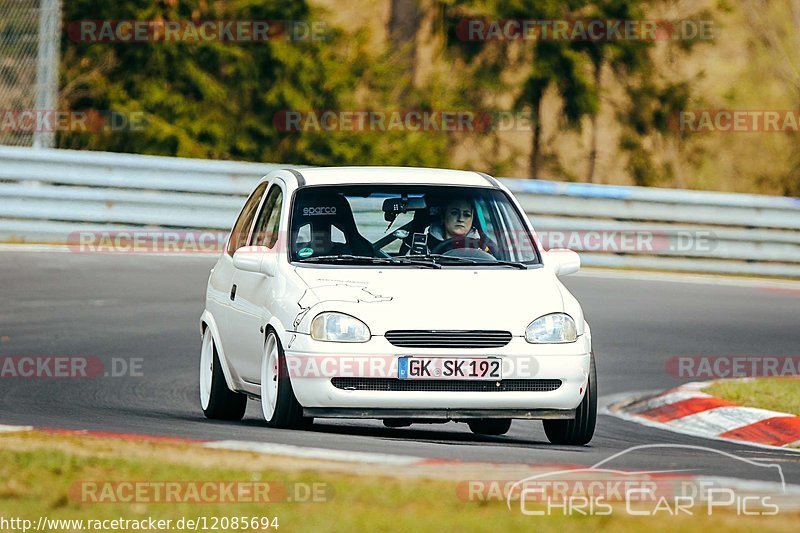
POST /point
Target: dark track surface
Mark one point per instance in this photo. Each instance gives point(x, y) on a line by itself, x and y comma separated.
point(118, 306)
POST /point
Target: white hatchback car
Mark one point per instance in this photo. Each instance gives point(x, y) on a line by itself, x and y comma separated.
point(407, 295)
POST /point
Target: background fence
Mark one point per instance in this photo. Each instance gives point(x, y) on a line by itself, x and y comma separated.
point(30, 33)
point(45, 195)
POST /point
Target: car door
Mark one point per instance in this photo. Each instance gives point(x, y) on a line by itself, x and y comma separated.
point(250, 307)
point(219, 295)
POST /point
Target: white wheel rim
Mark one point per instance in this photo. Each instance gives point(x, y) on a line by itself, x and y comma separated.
point(269, 379)
point(206, 369)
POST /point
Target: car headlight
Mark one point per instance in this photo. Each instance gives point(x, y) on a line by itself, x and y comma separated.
point(555, 328)
point(338, 327)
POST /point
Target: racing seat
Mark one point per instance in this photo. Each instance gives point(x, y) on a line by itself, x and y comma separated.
point(316, 220)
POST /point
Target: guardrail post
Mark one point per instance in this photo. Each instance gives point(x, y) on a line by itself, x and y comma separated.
point(47, 60)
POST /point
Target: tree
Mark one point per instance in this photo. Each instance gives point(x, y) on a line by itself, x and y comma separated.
point(404, 17)
point(623, 56)
point(212, 99)
point(550, 64)
point(559, 65)
point(775, 40)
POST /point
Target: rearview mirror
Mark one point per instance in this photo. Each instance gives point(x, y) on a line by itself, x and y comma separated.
point(257, 259)
point(563, 261)
point(394, 206)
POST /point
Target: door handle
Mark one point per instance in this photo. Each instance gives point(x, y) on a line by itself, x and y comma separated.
point(233, 292)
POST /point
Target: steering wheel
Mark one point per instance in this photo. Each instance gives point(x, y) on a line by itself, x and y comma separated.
point(457, 242)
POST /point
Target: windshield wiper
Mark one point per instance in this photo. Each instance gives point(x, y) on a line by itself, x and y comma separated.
point(428, 260)
point(468, 260)
point(349, 258)
point(344, 258)
point(406, 260)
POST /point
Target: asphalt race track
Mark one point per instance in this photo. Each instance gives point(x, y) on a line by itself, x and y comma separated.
point(125, 306)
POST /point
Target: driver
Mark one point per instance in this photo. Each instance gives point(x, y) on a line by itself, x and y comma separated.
point(456, 222)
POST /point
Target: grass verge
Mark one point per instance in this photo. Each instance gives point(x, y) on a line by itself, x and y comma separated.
point(780, 394)
point(43, 475)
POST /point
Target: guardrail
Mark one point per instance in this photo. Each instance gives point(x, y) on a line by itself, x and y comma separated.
point(46, 195)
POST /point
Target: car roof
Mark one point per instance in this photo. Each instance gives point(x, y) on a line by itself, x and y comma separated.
point(390, 175)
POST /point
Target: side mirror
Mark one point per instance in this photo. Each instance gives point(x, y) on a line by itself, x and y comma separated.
point(257, 259)
point(563, 261)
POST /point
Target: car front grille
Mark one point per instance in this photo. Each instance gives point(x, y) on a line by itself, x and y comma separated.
point(448, 339)
point(446, 385)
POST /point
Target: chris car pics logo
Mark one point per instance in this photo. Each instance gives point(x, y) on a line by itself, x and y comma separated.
point(603, 490)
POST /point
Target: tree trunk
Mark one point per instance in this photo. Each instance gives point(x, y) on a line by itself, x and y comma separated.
point(592, 151)
point(536, 141)
point(404, 20)
point(598, 71)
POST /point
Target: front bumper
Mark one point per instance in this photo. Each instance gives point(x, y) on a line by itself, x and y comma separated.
point(312, 364)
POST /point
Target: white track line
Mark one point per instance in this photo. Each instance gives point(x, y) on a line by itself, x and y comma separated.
point(314, 453)
point(14, 429)
point(34, 247)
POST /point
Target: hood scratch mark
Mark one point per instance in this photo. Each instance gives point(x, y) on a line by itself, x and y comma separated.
point(336, 291)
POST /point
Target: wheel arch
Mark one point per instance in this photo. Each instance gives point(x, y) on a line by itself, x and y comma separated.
point(274, 324)
point(207, 321)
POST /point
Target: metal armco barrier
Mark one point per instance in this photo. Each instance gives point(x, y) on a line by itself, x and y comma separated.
point(46, 195)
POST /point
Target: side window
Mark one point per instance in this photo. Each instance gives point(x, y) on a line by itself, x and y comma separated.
point(241, 228)
point(267, 227)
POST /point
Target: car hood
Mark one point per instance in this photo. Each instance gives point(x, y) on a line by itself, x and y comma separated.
point(448, 299)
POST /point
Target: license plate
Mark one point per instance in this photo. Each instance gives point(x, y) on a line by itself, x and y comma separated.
point(489, 368)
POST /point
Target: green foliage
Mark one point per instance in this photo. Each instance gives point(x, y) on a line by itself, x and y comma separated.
point(219, 99)
point(573, 71)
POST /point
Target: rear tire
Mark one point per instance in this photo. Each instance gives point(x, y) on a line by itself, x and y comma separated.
point(278, 402)
point(490, 426)
point(580, 430)
point(216, 399)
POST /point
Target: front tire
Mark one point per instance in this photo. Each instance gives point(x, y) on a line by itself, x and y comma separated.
point(580, 430)
point(216, 399)
point(490, 426)
point(278, 403)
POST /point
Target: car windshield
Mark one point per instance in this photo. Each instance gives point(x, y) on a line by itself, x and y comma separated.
point(409, 225)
